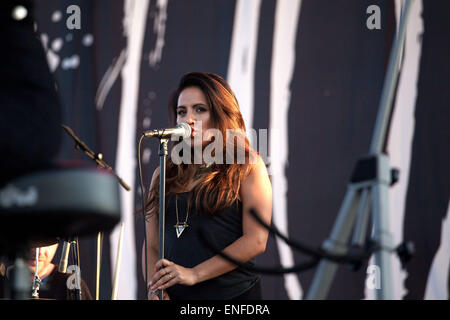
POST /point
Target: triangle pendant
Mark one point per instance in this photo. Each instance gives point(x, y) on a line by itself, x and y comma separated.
point(179, 228)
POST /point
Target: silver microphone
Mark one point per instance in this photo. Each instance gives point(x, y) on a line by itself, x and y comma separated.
point(181, 130)
point(64, 257)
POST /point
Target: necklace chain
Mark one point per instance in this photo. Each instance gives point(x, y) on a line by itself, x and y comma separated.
point(176, 209)
point(179, 227)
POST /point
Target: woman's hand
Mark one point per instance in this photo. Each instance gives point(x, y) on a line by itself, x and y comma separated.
point(170, 274)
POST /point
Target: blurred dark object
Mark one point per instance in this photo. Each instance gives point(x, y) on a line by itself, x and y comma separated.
point(405, 252)
point(38, 208)
point(30, 114)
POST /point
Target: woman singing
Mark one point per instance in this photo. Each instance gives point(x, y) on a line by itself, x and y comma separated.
point(212, 198)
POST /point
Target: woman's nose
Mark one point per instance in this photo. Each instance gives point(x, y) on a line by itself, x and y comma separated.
point(190, 118)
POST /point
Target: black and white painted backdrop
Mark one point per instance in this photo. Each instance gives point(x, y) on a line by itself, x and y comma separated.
point(309, 70)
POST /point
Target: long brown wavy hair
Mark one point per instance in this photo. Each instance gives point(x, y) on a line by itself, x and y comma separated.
point(219, 184)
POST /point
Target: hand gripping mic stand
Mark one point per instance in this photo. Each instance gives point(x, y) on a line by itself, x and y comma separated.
point(369, 183)
point(97, 157)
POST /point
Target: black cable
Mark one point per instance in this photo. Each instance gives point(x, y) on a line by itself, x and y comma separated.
point(270, 271)
point(143, 213)
point(352, 258)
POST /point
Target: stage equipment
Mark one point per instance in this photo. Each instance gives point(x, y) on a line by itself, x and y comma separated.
point(42, 207)
point(368, 188)
point(98, 158)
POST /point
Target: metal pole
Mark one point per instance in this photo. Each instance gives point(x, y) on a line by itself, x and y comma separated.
point(381, 230)
point(390, 83)
point(36, 280)
point(99, 259)
point(380, 191)
point(162, 199)
point(336, 244)
point(118, 258)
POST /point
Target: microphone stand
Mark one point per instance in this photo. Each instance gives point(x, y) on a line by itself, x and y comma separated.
point(162, 198)
point(163, 136)
point(98, 158)
point(76, 259)
point(36, 279)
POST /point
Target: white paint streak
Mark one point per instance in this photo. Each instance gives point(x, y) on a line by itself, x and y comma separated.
point(159, 27)
point(283, 63)
point(241, 68)
point(134, 26)
point(438, 277)
point(109, 79)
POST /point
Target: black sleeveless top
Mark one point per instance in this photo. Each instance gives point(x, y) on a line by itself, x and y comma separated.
point(189, 250)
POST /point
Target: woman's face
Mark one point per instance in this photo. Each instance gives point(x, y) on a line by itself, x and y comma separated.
point(193, 108)
point(46, 255)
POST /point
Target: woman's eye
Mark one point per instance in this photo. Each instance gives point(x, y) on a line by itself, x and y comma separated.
point(181, 112)
point(201, 109)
